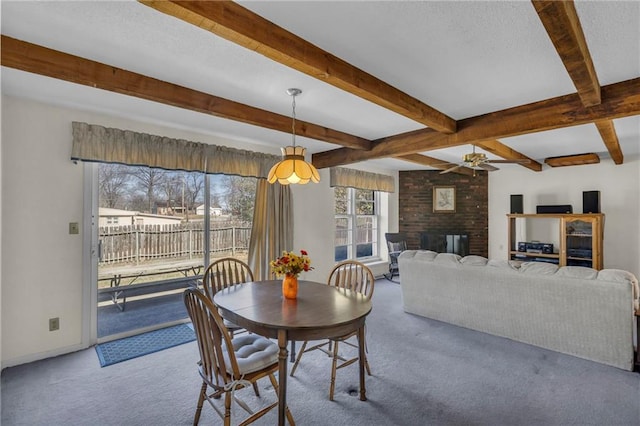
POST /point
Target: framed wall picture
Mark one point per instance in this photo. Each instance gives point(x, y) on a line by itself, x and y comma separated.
point(444, 199)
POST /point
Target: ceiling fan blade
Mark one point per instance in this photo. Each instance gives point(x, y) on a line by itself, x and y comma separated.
point(450, 169)
point(488, 167)
point(509, 161)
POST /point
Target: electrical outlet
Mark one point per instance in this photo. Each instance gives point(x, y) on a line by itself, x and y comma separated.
point(74, 228)
point(54, 324)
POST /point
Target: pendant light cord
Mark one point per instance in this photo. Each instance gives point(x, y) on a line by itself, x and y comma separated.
point(293, 124)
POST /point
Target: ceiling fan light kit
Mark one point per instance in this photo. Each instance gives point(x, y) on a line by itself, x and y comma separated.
point(480, 160)
point(293, 169)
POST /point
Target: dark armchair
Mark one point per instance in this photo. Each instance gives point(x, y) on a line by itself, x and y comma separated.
point(396, 244)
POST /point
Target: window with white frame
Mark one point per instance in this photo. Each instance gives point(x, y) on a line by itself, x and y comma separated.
point(356, 223)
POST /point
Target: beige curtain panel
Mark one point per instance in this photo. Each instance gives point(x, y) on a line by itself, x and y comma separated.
point(97, 143)
point(272, 230)
point(340, 176)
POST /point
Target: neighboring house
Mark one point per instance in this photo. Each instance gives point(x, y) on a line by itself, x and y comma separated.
point(213, 211)
point(117, 217)
point(168, 208)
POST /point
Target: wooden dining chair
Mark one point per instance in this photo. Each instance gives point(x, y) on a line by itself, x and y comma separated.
point(351, 275)
point(224, 273)
point(227, 365)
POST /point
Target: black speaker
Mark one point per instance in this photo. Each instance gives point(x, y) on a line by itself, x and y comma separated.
point(591, 202)
point(516, 204)
point(555, 209)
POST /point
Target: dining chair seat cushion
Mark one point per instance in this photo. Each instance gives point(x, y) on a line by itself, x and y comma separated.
point(254, 352)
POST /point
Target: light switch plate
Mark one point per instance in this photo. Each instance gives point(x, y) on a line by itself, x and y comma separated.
point(74, 228)
point(54, 324)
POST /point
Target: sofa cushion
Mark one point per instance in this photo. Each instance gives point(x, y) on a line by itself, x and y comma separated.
point(539, 268)
point(505, 264)
point(426, 255)
point(580, 272)
point(619, 275)
point(448, 259)
point(474, 260)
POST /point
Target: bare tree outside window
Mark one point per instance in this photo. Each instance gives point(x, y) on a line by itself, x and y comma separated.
point(115, 180)
point(238, 197)
point(149, 180)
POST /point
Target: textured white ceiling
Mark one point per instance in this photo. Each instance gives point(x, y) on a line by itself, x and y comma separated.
point(462, 58)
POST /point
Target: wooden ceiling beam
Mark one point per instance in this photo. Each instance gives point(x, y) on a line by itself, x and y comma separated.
point(572, 160)
point(618, 100)
point(610, 138)
point(561, 21)
point(501, 150)
point(239, 25)
point(425, 160)
point(51, 63)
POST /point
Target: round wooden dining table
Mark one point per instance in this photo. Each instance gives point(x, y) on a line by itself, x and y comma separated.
point(320, 311)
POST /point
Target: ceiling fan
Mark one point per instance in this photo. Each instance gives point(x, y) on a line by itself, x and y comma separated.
point(480, 160)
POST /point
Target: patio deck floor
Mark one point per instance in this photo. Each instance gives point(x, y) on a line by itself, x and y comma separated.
point(140, 313)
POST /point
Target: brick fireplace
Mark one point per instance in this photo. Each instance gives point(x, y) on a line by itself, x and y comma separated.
point(416, 213)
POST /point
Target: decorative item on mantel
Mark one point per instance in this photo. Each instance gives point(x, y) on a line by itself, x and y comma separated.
point(293, 168)
point(289, 266)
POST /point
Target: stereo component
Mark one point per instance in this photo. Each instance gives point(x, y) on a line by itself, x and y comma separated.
point(535, 247)
point(583, 253)
point(555, 209)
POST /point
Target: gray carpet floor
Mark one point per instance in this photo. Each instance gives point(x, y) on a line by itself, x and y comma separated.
point(424, 373)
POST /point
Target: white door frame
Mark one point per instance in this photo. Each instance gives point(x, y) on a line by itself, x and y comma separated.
point(90, 255)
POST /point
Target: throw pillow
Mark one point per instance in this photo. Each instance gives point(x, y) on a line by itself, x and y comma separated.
point(397, 247)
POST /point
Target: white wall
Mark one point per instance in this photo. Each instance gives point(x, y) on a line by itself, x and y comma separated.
point(41, 266)
point(619, 200)
point(314, 224)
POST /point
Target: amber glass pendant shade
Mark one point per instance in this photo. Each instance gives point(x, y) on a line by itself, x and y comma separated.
point(293, 168)
point(290, 286)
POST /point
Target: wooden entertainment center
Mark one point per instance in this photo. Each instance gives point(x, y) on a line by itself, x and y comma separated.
point(579, 239)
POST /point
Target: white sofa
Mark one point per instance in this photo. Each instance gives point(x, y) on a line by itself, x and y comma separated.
point(574, 310)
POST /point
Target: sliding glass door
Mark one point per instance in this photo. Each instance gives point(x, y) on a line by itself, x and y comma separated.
point(157, 230)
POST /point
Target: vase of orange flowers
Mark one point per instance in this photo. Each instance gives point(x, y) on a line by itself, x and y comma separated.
point(289, 266)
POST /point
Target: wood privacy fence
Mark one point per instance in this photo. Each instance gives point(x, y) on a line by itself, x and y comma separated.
point(138, 243)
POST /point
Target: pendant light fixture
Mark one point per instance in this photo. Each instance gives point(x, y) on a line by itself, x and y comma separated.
point(293, 168)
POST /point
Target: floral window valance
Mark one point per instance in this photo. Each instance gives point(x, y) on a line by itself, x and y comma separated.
point(97, 143)
point(340, 176)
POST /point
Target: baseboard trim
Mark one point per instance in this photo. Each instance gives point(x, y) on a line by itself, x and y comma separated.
point(41, 355)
